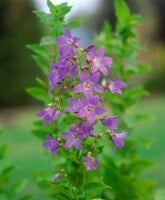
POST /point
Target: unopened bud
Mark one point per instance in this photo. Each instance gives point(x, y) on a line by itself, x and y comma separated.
point(104, 83)
point(107, 131)
point(62, 170)
point(89, 154)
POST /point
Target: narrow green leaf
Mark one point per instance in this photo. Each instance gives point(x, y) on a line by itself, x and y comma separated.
point(42, 83)
point(42, 63)
point(47, 40)
point(95, 186)
point(74, 23)
point(38, 93)
point(122, 11)
point(41, 50)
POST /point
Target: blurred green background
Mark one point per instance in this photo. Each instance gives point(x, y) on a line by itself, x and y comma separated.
point(19, 27)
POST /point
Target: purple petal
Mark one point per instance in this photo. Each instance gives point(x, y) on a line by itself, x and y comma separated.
point(66, 135)
point(107, 61)
point(90, 56)
point(93, 99)
point(77, 144)
point(41, 113)
point(94, 77)
point(83, 77)
point(97, 88)
point(68, 144)
point(78, 88)
point(85, 159)
point(93, 69)
point(100, 51)
point(67, 33)
point(103, 70)
point(47, 119)
point(99, 110)
point(94, 163)
point(60, 40)
point(91, 117)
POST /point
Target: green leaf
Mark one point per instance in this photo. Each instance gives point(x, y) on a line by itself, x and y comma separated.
point(41, 50)
point(122, 11)
point(139, 165)
point(44, 17)
point(6, 171)
point(1, 129)
point(63, 8)
point(132, 95)
point(26, 197)
point(95, 186)
point(47, 40)
point(42, 83)
point(42, 63)
point(38, 93)
point(3, 149)
point(159, 194)
point(74, 23)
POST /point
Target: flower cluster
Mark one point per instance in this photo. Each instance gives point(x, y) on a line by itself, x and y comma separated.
point(79, 71)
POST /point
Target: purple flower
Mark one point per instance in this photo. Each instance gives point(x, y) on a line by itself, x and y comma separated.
point(51, 144)
point(74, 106)
point(54, 76)
point(115, 85)
point(74, 136)
point(48, 114)
point(56, 177)
point(99, 61)
point(89, 108)
point(90, 162)
point(67, 43)
point(110, 122)
point(118, 139)
point(88, 83)
point(85, 128)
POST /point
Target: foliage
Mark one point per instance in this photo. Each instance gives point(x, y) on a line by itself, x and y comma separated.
point(123, 171)
point(118, 176)
point(9, 188)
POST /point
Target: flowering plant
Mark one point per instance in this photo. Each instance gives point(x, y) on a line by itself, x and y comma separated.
point(77, 74)
point(77, 122)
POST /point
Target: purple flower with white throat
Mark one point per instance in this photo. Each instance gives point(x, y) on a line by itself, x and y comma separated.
point(73, 107)
point(110, 122)
point(89, 108)
point(48, 114)
point(90, 162)
point(88, 83)
point(51, 144)
point(73, 137)
point(118, 139)
point(115, 86)
point(67, 43)
point(98, 61)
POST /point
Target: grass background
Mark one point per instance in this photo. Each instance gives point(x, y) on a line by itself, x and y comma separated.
point(25, 151)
